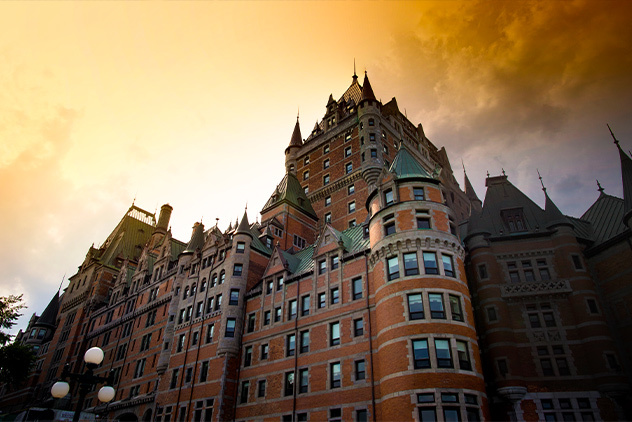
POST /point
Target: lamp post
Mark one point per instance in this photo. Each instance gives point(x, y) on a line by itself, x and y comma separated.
point(93, 358)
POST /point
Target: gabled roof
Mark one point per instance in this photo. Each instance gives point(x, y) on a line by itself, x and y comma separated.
point(606, 217)
point(406, 166)
point(289, 191)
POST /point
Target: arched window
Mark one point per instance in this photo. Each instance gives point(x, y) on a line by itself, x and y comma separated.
point(203, 285)
point(193, 289)
point(222, 276)
point(186, 292)
point(214, 280)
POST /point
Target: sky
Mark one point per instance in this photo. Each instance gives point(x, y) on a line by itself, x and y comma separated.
point(193, 103)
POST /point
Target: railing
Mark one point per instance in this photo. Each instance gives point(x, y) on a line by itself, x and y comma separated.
point(550, 287)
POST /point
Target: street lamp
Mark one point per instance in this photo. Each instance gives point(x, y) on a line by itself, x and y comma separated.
point(93, 358)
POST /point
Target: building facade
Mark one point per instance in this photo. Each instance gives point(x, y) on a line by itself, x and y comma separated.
point(373, 288)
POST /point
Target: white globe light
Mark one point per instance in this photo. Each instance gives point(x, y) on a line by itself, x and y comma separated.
point(106, 394)
point(94, 355)
point(60, 389)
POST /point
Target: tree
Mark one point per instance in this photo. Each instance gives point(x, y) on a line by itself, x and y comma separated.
point(16, 359)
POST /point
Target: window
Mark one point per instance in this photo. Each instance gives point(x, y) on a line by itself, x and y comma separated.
point(290, 345)
point(430, 263)
point(261, 389)
point(455, 307)
point(209, 333)
point(306, 175)
point(180, 342)
point(463, 355)
point(251, 323)
point(503, 369)
point(299, 242)
point(359, 370)
point(482, 272)
point(237, 269)
point(448, 268)
point(306, 160)
point(174, 379)
point(492, 316)
point(415, 306)
point(335, 375)
point(348, 168)
point(418, 194)
point(423, 223)
point(388, 197)
point(421, 355)
point(444, 355)
point(321, 300)
point(351, 207)
point(222, 275)
point(214, 280)
point(218, 302)
point(592, 306)
point(347, 151)
point(371, 122)
point(389, 228)
point(410, 264)
point(334, 262)
point(303, 381)
point(245, 386)
point(372, 137)
point(326, 179)
point(277, 314)
point(322, 266)
point(335, 415)
point(247, 355)
point(279, 283)
point(304, 341)
point(334, 334)
point(266, 318)
point(356, 288)
point(204, 371)
point(264, 351)
point(392, 265)
point(358, 327)
point(230, 327)
point(305, 305)
point(577, 262)
point(328, 218)
point(373, 153)
point(335, 295)
point(326, 149)
point(289, 383)
point(234, 297)
point(326, 164)
point(352, 223)
point(328, 201)
point(437, 310)
point(292, 309)
point(350, 189)
point(241, 247)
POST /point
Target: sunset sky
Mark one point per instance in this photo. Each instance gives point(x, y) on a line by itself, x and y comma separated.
point(193, 104)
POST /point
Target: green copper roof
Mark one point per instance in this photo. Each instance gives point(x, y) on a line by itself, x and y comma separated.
point(606, 217)
point(406, 166)
point(129, 236)
point(290, 191)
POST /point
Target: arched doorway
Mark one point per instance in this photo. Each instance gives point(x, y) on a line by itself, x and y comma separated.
point(147, 416)
point(128, 417)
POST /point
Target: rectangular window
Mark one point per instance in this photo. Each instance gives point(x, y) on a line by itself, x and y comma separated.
point(264, 351)
point(261, 390)
point(358, 327)
point(181, 342)
point(306, 175)
point(269, 286)
point(204, 371)
point(266, 318)
point(448, 268)
point(335, 296)
point(351, 207)
point(347, 151)
point(418, 193)
point(209, 333)
point(245, 386)
point(410, 264)
point(247, 355)
point(322, 267)
point(388, 197)
point(289, 383)
point(415, 306)
point(218, 302)
point(277, 314)
point(359, 370)
point(292, 310)
point(237, 269)
point(423, 223)
point(328, 217)
point(326, 179)
point(393, 268)
point(328, 201)
point(335, 375)
point(230, 327)
point(437, 311)
point(279, 283)
point(482, 272)
point(455, 307)
point(321, 300)
point(389, 228)
point(305, 305)
point(463, 355)
point(334, 334)
point(334, 262)
point(350, 189)
point(303, 381)
point(241, 247)
point(326, 164)
point(577, 262)
point(430, 263)
point(251, 323)
point(174, 378)
point(421, 355)
point(304, 341)
point(290, 345)
point(356, 288)
point(234, 297)
point(444, 355)
point(348, 168)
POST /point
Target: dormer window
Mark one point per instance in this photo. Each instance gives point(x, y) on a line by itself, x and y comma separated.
point(514, 220)
point(388, 197)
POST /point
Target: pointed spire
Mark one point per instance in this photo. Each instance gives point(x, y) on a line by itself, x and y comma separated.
point(197, 239)
point(626, 178)
point(600, 189)
point(367, 91)
point(296, 139)
point(553, 214)
point(244, 226)
point(469, 190)
point(355, 76)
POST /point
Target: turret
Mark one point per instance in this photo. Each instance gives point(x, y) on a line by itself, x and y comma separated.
point(370, 134)
point(290, 152)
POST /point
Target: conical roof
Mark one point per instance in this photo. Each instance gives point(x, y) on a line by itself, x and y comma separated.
point(49, 316)
point(290, 191)
point(367, 91)
point(244, 226)
point(626, 177)
point(197, 239)
point(469, 189)
point(405, 166)
point(296, 140)
point(553, 214)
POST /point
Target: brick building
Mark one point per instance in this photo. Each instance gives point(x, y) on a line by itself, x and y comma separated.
point(373, 288)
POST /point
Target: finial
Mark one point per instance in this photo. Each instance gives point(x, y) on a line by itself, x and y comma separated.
point(354, 70)
point(542, 183)
point(488, 174)
point(463, 164)
point(298, 112)
point(62, 282)
point(615, 139)
point(216, 221)
point(202, 220)
point(504, 174)
point(600, 188)
point(246, 205)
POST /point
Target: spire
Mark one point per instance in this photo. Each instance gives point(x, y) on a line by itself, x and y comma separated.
point(244, 226)
point(367, 91)
point(600, 189)
point(296, 139)
point(197, 239)
point(626, 177)
point(355, 76)
point(469, 189)
point(49, 316)
point(552, 213)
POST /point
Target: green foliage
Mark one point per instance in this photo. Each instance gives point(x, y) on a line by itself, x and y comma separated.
point(9, 312)
point(16, 361)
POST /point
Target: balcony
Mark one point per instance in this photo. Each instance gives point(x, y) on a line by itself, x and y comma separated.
point(536, 288)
